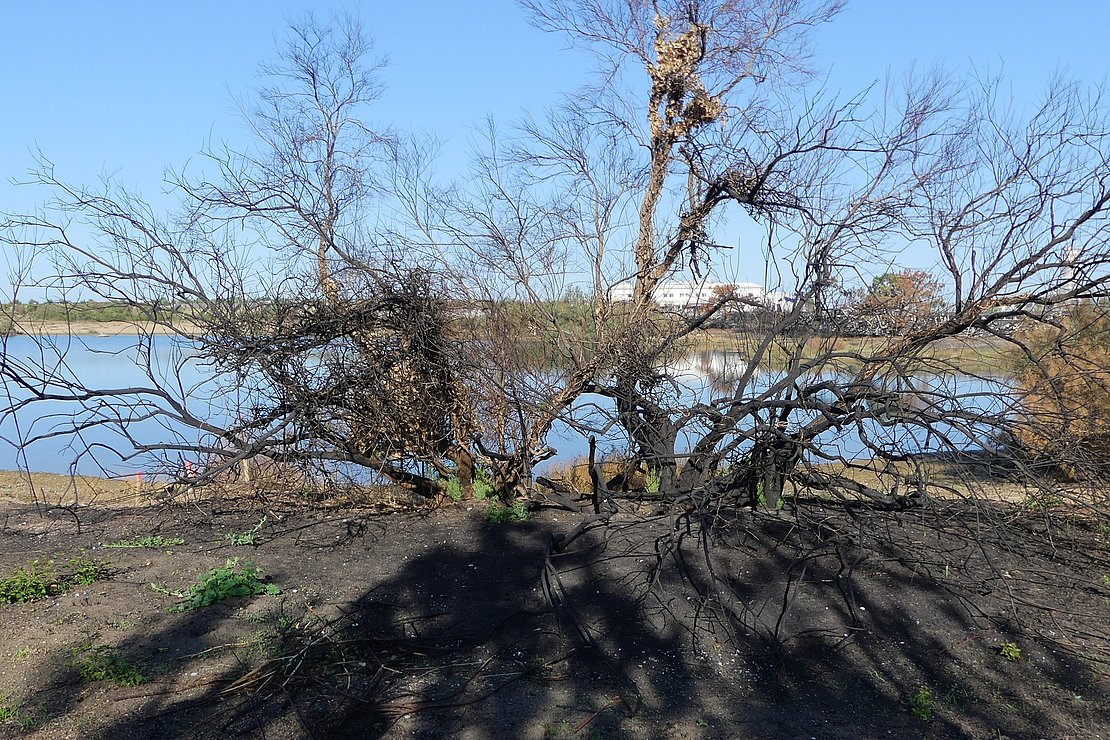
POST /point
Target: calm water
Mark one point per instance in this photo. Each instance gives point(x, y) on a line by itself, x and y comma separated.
point(100, 362)
point(114, 362)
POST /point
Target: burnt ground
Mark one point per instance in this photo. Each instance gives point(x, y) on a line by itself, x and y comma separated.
point(438, 623)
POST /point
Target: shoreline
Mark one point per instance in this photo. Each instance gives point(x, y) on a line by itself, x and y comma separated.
point(98, 328)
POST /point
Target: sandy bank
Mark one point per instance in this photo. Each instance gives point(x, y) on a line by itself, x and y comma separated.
point(99, 328)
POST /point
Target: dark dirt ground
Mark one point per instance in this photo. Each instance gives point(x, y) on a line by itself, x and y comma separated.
point(435, 623)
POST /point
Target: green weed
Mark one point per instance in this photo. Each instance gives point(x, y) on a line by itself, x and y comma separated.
point(454, 488)
point(653, 481)
point(222, 583)
point(761, 498)
point(1042, 501)
point(102, 663)
point(13, 710)
point(483, 486)
point(922, 702)
point(501, 514)
point(151, 541)
point(86, 572)
point(248, 537)
point(29, 583)
point(37, 580)
point(1010, 651)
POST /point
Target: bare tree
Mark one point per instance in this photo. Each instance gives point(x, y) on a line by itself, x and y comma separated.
point(702, 111)
point(316, 343)
point(624, 183)
point(448, 340)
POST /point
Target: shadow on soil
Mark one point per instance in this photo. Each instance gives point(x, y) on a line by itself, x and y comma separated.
point(445, 630)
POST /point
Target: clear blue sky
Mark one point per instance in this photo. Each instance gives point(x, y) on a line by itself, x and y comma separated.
point(129, 88)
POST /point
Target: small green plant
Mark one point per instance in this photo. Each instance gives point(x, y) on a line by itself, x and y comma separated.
point(222, 583)
point(559, 730)
point(1010, 651)
point(86, 572)
point(653, 481)
point(761, 498)
point(248, 537)
point(102, 663)
point(1042, 501)
point(13, 710)
point(501, 514)
point(30, 582)
point(454, 488)
point(921, 702)
point(37, 579)
point(483, 486)
point(151, 541)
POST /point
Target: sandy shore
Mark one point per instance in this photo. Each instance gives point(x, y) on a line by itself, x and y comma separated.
point(50, 488)
point(98, 328)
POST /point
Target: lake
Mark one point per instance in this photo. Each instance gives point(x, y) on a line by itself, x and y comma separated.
point(114, 362)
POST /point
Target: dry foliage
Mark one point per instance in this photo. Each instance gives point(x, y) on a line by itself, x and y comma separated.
point(1064, 383)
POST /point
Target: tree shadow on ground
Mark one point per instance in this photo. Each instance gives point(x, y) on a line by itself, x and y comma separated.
point(676, 624)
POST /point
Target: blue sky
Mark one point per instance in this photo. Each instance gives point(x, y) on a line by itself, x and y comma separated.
point(128, 88)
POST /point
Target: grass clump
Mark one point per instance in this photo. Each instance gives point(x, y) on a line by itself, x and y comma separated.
point(501, 514)
point(223, 583)
point(102, 663)
point(150, 541)
point(11, 710)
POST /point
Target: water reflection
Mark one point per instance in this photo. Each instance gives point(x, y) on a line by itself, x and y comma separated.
point(963, 411)
point(956, 402)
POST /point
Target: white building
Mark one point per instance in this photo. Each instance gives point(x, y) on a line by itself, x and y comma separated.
point(687, 295)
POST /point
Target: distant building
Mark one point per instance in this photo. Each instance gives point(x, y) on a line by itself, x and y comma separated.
point(684, 295)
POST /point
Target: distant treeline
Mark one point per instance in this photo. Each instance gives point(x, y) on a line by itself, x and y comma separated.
point(84, 311)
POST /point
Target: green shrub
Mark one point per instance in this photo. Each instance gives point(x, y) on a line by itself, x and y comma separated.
point(86, 572)
point(453, 487)
point(37, 580)
point(483, 486)
point(921, 702)
point(500, 514)
point(29, 583)
point(223, 583)
point(101, 663)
